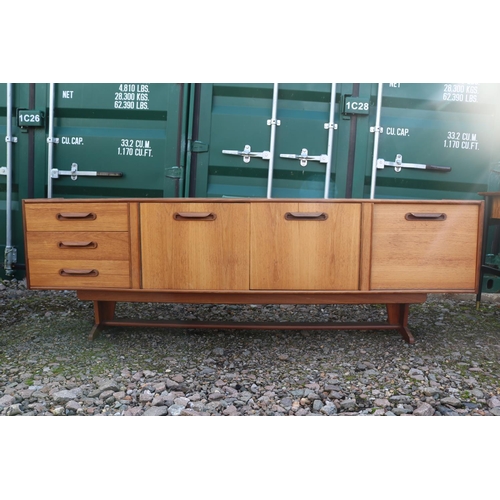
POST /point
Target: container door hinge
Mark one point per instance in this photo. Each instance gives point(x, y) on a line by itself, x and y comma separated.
point(377, 129)
point(74, 173)
point(304, 157)
point(247, 153)
point(3, 170)
point(9, 138)
point(398, 165)
point(198, 147)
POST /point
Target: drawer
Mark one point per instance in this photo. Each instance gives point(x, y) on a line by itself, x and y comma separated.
point(76, 216)
point(78, 274)
point(78, 245)
point(424, 246)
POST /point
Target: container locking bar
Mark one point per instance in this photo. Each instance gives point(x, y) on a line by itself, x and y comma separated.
point(74, 173)
point(247, 153)
point(398, 165)
point(304, 157)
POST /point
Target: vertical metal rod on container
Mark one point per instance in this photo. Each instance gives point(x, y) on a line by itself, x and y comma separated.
point(8, 188)
point(331, 127)
point(377, 131)
point(273, 123)
point(50, 140)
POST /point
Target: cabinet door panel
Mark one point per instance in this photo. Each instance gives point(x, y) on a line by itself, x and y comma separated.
point(305, 246)
point(195, 246)
point(424, 246)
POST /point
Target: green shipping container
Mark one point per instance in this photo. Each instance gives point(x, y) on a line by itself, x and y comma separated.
point(298, 140)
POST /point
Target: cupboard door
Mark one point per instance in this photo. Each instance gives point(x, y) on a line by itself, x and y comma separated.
point(195, 246)
point(305, 246)
point(424, 246)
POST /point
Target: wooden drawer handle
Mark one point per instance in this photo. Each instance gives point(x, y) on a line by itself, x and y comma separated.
point(79, 272)
point(76, 215)
point(306, 216)
point(412, 216)
point(77, 244)
point(194, 216)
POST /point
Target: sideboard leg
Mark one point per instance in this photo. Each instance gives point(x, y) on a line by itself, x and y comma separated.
point(103, 311)
point(397, 314)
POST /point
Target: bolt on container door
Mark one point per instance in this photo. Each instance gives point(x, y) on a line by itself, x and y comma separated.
point(233, 135)
point(117, 140)
point(438, 140)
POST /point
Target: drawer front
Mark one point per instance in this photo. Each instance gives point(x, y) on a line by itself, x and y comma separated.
point(77, 274)
point(74, 245)
point(305, 246)
point(195, 246)
point(76, 216)
point(424, 246)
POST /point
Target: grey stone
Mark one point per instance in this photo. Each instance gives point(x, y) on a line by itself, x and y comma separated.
point(452, 401)
point(399, 399)
point(189, 412)
point(430, 391)
point(477, 393)
point(494, 402)
point(64, 396)
point(156, 411)
point(317, 405)
point(175, 410)
point(109, 385)
point(444, 410)
point(329, 409)
point(106, 394)
point(348, 404)
point(146, 396)
point(73, 406)
point(231, 410)
point(14, 410)
point(424, 410)
point(7, 400)
point(216, 396)
point(182, 401)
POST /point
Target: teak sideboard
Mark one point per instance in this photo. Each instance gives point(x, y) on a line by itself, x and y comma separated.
point(254, 251)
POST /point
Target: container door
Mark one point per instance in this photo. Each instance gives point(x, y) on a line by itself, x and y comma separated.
point(232, 134)
point(437, 140)
point(17, 159)
point(117, 139)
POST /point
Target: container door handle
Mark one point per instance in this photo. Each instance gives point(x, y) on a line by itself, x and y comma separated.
point(398, 165)
point(204, 216)
point(306, 216)
point(304, 157)
point(247, 153)
point(412, 216)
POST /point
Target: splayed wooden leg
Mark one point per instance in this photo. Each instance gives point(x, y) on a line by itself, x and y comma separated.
point(397, 314)
point(103, 311)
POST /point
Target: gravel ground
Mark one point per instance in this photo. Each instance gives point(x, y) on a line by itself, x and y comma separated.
point(49, 367)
